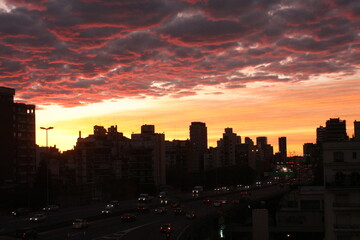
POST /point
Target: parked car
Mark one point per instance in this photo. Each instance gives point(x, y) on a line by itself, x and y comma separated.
point(38, 217)
point(80, 223)
point(25, 233)
point(128, 217)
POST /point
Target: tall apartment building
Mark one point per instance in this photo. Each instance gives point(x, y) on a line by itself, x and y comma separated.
point(17, 138)
point(342, 190)
point(227, 148)
point(283, 148)
point(334, 131)
point(357, 130)
point(147, 157)
point(99, 158)
point(199, 143)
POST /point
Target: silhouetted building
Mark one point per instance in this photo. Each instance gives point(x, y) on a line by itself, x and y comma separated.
point(283, 148)
point(226, 147)
point(334, 131)
point(261, 141)
point(17, 137)
point(101, 158)
point(147, 157)
point(198, 141)
point(178, 153)
point(357, 130)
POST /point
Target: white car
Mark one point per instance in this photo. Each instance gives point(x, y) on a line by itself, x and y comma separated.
point(38, 217)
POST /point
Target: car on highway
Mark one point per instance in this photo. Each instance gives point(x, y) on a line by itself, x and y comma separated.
point(217, 203)
point(174, 203)
point(166, 228)
point(128, 217)
point(113, 204)
point(108, 210)
point(160, 210)
point(25, 233)
point(164, 201)
point(38, 217)
point(190, 214)
point(143, 209)
point(20, 212)
point(207, 201)
point(80, 223)
point(51, 208)
point(178, 211)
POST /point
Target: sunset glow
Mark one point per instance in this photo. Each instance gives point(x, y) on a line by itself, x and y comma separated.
point(264, 68)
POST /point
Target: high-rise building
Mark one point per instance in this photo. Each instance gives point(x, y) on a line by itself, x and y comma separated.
point(147, 157)
point(227, 148)
point(334, 131)
point(283, 148)
point(357, 130)
point(198, 141)
point(17, 138)
point(261, 141)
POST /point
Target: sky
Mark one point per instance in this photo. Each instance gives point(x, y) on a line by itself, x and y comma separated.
point(262, 67)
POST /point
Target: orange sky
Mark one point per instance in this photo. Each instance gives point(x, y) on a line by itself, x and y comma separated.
point(264, 68)
point(293, 110)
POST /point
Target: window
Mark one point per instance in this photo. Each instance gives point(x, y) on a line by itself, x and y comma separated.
point(338, 156)
point(310, 204)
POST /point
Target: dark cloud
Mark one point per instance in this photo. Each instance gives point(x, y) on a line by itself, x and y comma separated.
point(73, 52)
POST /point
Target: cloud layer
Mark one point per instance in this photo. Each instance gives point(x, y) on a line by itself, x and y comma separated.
point(74, 52)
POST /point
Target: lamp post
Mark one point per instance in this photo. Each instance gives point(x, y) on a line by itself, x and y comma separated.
point(47, 163)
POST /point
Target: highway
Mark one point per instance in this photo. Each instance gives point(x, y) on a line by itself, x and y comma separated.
point(146, 226)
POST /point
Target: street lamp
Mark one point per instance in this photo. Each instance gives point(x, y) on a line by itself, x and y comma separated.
point(47, 163)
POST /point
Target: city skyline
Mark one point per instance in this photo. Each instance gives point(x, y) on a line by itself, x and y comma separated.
point(264, 69)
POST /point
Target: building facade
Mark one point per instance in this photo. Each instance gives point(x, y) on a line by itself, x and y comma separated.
point(342, 190)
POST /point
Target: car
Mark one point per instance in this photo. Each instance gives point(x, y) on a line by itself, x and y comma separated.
point(143, 209)
point(164, 201)
point(174, 203)
point(178, 211)
point(160, 210)
point(162, 195)
point(25, 233)
point(207, 201)
point(51, 208)
point(128, 217)
point(80, 223)
point(191, 214)
point(20, 212)
point(113, 204)
point(107, 210)
point(217, 203)
point(166, 228)
point(38, 217)
point(224, 201)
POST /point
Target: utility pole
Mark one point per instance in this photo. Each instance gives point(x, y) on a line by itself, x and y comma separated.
point(47, 163)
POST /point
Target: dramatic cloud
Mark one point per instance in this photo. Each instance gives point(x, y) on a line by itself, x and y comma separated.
point(74, 52)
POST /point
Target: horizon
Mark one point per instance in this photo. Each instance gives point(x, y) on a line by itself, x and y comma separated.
point(264, 68)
